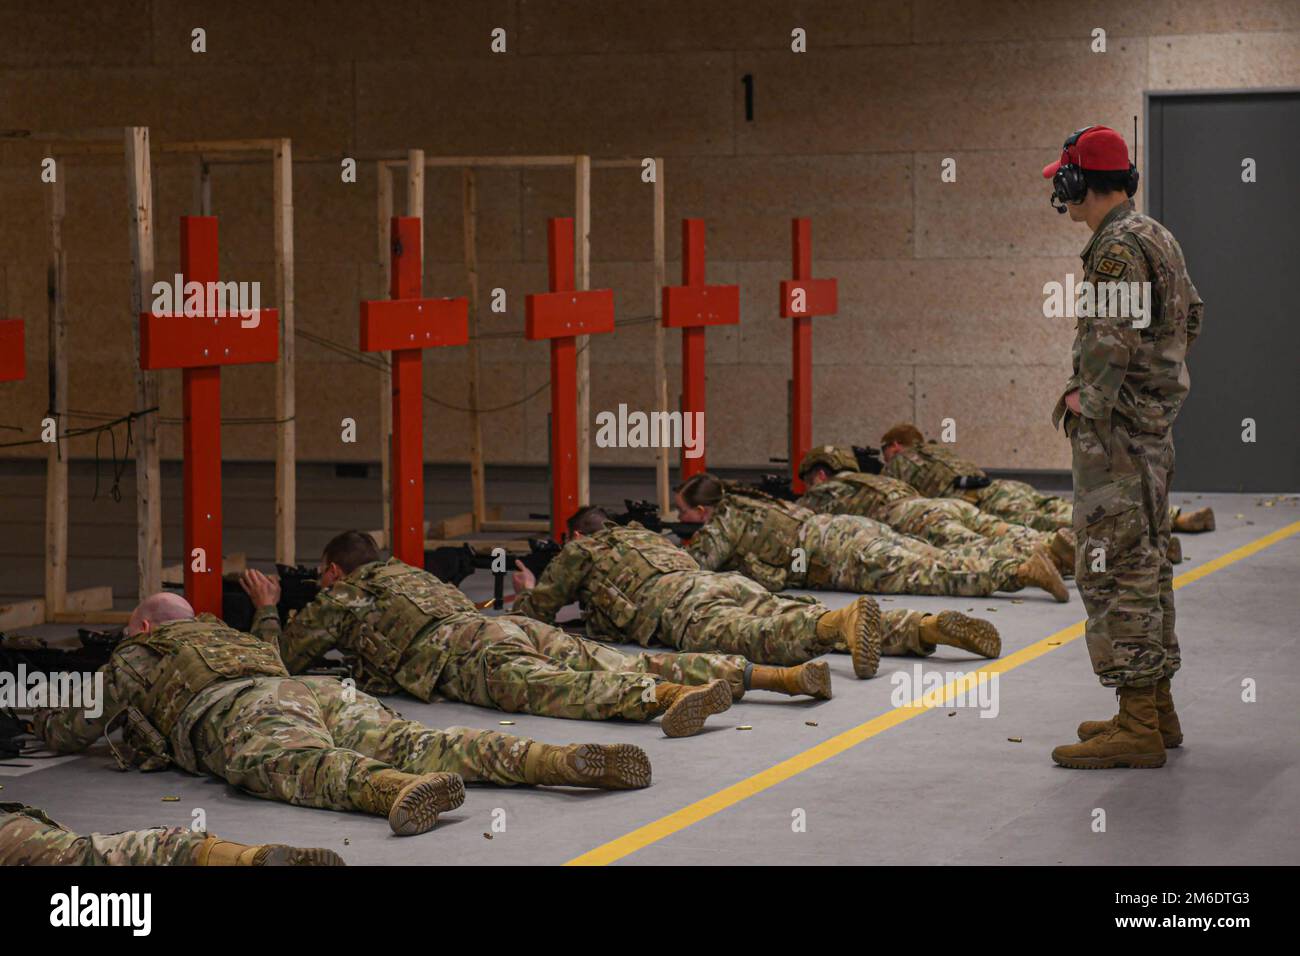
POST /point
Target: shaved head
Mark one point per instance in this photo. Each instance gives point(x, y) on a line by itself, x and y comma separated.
point(158, 609)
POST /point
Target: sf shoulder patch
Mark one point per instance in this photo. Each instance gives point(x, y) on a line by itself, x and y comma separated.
point(1112, 268)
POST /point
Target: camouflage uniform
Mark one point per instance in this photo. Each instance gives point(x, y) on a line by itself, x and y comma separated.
point(635, 585)
point(933, 469)
point(400, 628)
point(758, 535)
point(30, 838)
point(213, 700)
point(1131, 382)
point(943, 522)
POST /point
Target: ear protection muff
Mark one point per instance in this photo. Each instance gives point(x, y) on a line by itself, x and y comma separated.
point(1069, 186)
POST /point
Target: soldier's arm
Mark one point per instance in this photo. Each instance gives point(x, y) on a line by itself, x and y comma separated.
point(73, 729)
point(713, 545)
point(1107, 343)
point(1195, 311)
point(314, 630)
point(557, 587)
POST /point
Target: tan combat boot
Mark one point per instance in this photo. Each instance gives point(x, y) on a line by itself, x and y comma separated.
point(1171, 731)
point(1061, 548)
point(809, 680)
point(1175, 552)
point(215, 852)
point(1193, 522)
point(411, 801)
point(859, 626)
point(957, 630)
point(1133, 740)
point(602, 766)
point(685, 709)
point(1040, 572)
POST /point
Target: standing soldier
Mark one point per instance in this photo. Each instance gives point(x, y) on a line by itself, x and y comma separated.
point(635, 585)
point(782, 545)
point(1119, 406)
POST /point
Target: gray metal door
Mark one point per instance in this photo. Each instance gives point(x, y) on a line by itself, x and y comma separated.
point(1242, 243)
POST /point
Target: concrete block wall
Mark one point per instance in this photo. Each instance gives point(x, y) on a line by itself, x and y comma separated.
point(940, 283)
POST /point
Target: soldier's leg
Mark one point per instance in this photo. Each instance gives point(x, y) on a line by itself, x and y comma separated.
point(872, 561)
point(272, 741)
point(1160, 459)
point(581, 654)
point(916, 634)
point(1120, 559)
point(30, 838)
point(1018, 502)
point(508, 669)
point(364, 724)
point(731, 614)
point(930, 520)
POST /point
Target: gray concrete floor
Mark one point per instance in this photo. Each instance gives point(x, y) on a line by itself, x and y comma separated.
point(935, 789)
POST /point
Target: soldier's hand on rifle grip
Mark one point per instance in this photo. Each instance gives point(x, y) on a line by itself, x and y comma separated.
point(523, 579)
point(261, 590)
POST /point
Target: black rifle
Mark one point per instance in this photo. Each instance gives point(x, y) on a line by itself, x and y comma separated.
point(777, 485)
point(298, 587)
point(646, 514)
point(454, 563)
point(869, 459)
point(92, 653)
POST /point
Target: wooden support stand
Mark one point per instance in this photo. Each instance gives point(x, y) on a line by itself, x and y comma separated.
point(692, 307)
point(405, 325)
point(802, 298)
point(200, 344)
point(562, 315)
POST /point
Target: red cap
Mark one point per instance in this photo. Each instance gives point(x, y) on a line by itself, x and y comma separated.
point(1100, 148)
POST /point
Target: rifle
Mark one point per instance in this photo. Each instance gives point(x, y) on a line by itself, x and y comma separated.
point(454, 564)
point(646, 514)
point(869, 459)
point(298, 587)
point(92, 653)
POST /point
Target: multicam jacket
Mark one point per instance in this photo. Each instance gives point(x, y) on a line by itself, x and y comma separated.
point(1136, 373)
point(754, 534)
point(930, 468)
point(621, 576)
point(856, 493)
point(374, 616)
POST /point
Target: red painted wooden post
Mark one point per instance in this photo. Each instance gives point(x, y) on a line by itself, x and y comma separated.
point(817, 297)
point(691, 307)
point(560, 315)
point(200, 344)
point(405, 325)
point(13, 361)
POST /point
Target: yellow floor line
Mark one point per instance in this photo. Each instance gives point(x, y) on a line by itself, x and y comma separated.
point(729, 796)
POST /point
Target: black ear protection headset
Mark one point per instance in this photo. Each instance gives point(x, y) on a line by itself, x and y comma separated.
point(1068, 184)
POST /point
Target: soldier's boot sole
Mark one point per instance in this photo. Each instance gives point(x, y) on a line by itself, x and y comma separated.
point(689, 711)
point(279, 854)
point(1132, 761)
point(1042, 573)
point(417, 806)
point(1194, 522)
point(1091, 728)
point(1175, 551)
point(971, 633)
point(865, 646)
point(815, 680)
point(611, 766)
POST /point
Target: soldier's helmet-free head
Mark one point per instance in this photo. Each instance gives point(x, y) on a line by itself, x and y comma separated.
point(698, 495)
point(158, 609)
point(901, 436)
point(832, 458)
point(344, 554)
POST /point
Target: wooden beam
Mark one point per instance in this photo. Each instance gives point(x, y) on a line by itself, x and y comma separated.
point(535, 526)
point(148, 497)
point(79, 607)
point(22, 614)
point(286, 431)
point(661, 368)
point(384, 181)
point(202, 186)
point(582, 282)
point(92, 617)
point(477, 476)
point(462, 524)
point(56, 467)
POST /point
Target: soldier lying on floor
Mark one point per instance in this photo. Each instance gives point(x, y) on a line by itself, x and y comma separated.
point(937, 471)
point(212, 700)
point(30, 838)
point(635, 585)
point(783, 545)
point(400, 628)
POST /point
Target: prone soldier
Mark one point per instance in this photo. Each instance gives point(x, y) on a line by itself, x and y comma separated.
point(402, 629)
point(28, 837)
point(783, 545)
point(636, 585)
point(212, 700)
